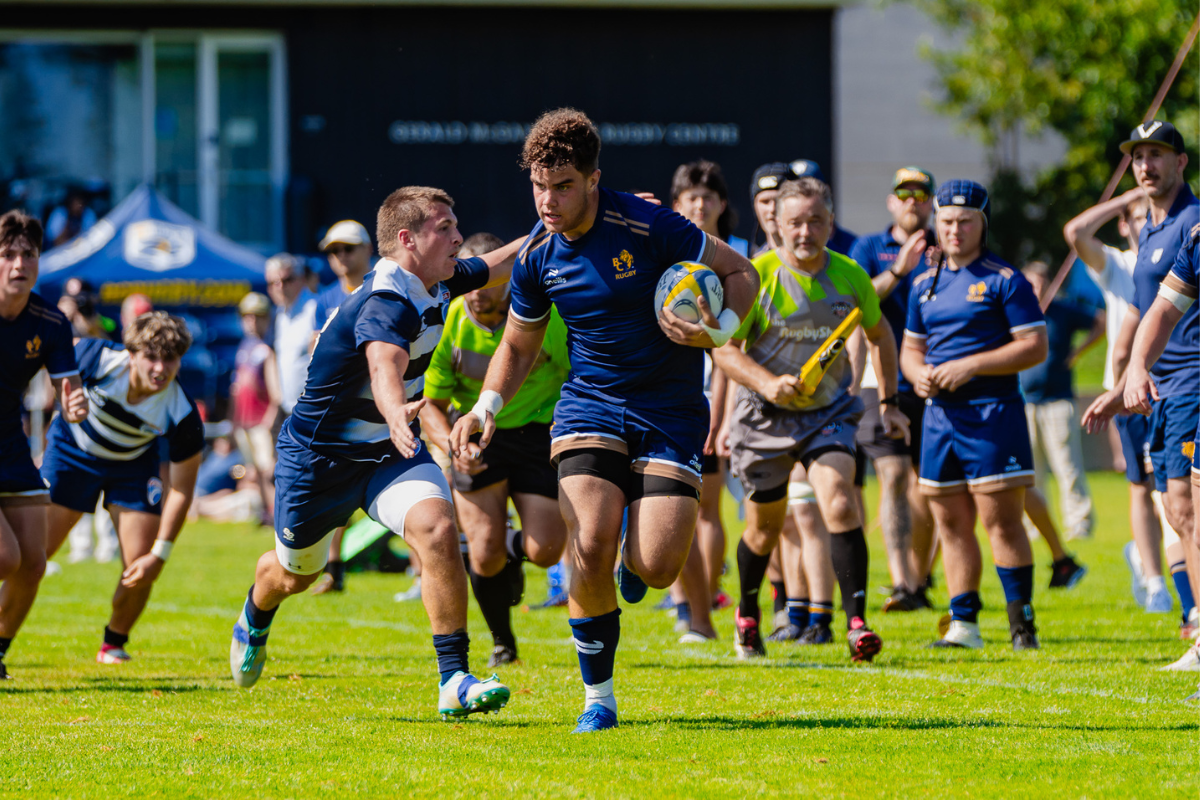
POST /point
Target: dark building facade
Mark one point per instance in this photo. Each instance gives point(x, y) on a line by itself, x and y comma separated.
point(269, 122)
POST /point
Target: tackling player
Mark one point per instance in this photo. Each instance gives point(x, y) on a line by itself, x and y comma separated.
point(516, 464)
point(34, 334)
point(806, 292)
point(133, 401)
point(973, 324)
point(350, 442)
point(630, 427)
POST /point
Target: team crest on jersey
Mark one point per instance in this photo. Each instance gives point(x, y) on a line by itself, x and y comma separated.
point(977, 292)
point(841, 308)
point(1156, 255)
point(624, 265)
point(33, 347)
point(154, 491)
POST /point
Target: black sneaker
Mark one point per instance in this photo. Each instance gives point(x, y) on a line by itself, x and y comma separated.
point(920, 600)
point(816, 634)
point(516, 581)
point(1066, 573)
point(901, 600)
point(1021, 627)
point(502, 654)
point(786, 633)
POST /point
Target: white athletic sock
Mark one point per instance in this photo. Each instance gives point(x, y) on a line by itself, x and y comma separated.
point(601, 693)
point(1156, 583)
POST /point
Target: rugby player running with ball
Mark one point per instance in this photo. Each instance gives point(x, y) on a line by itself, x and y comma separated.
point(629, 430)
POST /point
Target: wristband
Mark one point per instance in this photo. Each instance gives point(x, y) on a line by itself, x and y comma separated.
point(728, 322)
point(162, 549)
point(894, 400)
point(489, 402)
point(895, 274)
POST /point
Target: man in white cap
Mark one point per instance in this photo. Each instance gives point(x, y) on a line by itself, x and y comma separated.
point(348, 246)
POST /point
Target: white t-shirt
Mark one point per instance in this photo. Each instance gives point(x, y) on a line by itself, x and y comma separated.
point(293, 336)
point(1116, 282)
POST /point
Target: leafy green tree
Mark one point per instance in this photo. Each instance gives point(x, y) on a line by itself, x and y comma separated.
point(1087, 69)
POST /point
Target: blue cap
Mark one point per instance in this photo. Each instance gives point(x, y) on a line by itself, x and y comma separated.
point(802, 167)
point(959, 193)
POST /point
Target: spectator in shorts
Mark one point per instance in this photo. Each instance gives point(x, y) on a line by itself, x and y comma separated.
point(255, 396)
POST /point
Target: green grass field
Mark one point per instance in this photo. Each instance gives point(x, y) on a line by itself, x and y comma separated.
point(346, 706)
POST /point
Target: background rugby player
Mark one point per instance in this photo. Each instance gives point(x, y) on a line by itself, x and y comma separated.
point(630, 428)
point(33, 334)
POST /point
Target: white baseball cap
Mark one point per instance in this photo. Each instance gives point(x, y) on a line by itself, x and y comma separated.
point(345, 232)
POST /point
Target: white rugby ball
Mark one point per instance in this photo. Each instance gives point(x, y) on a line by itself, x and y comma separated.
point(682, 283)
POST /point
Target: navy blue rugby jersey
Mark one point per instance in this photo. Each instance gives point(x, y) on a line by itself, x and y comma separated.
point(1177, 371)
point(603, 287)
point(336, 414)
point(40, 336)
point(116, 430)
point(974, 309)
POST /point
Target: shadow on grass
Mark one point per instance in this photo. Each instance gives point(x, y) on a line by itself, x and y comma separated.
point(752, 722)
point(107, 686)
point(492, 721)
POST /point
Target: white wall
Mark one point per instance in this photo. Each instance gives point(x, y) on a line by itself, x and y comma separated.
point(884, 117)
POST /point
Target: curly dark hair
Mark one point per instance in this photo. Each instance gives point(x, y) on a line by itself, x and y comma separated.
point(562, 138)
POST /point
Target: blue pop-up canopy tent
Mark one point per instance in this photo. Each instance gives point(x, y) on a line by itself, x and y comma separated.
point(148, 245)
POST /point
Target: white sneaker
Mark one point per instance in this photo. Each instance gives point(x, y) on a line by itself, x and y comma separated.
point(1159, 600)
point(961, 634)
point(1134, 559)
point(247, 652)
point(695, 637)
point(112, 655)
point(477, 696)
point(413, 593)
point(1189, 662)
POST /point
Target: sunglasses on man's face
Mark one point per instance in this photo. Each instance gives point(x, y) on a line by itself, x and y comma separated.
point(283, 280)
point(341, 249)
point(919, 195)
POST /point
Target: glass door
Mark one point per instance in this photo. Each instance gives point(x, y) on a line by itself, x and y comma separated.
point(243, 138)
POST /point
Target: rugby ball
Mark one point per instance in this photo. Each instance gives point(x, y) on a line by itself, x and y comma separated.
point(681, 284)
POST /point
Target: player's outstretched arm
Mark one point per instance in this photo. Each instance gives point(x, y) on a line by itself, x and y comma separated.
point(1027, 349)
point(510, 365)
point(882, 344)
point(739, 282)
point(1081, 232)
point(500, 262)
point(780, 390)
point(1148, 344)
point(174, 512)
point(387, 363)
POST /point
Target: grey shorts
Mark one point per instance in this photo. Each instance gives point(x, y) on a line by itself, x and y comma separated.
point(767, 441)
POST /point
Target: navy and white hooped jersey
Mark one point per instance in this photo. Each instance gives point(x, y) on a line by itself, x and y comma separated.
point(39, 337)
point(974, 309)
point(1177, 371)
point(114, 429)
point(603, 287)
point(336, 414)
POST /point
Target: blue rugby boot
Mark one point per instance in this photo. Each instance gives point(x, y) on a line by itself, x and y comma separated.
point(247, 652)
point(633, 588)
point(596, 717)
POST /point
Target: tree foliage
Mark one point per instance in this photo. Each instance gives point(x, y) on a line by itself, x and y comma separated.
point(1085, 68)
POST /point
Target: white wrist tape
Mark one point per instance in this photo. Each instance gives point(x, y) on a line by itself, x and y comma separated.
point(729, 323)
point(162, 548)
point(489, 402)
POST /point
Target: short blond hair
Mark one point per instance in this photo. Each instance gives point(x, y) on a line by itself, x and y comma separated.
point(158, 335)
point(407, 208)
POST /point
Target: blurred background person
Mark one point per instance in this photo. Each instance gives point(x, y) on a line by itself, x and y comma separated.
point(764, 186)
point(295, 315)
point(842, 241)
point(254, 398)
point(70, 219)
point(133, 307)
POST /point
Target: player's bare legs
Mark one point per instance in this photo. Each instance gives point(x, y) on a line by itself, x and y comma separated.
point(660, 537)
point(1065, 572)
point(896, 518)
point(817, 570)
point(1177, 503)
point(962, 560)
point(694, 579)
point(592, 508)
point(136, 531)
point(22, 563)
point(710, 531)
point(924, 540)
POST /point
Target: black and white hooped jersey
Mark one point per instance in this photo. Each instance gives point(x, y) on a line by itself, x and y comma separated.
point(116, 430)
point(336, 414)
